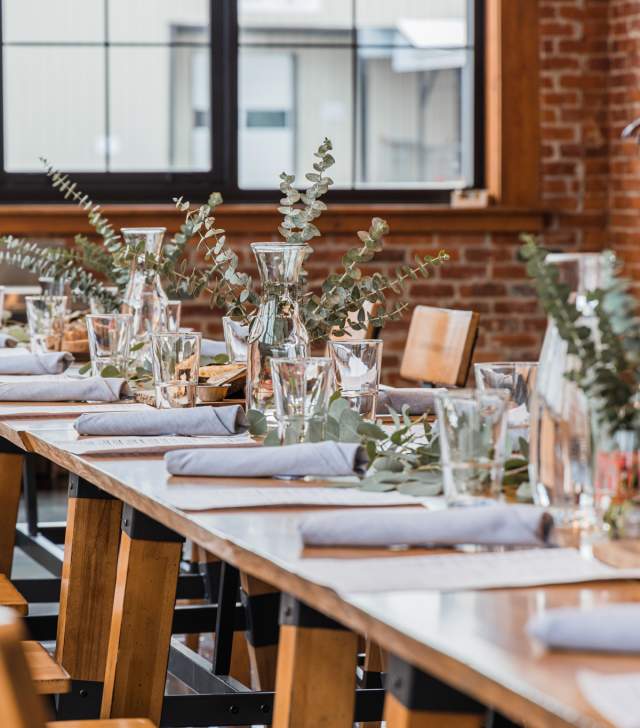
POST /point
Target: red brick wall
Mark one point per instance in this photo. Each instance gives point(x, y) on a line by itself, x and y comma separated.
point(624, 106)
point(484, 273)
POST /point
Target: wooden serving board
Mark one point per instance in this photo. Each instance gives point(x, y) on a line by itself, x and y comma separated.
point(624, 553)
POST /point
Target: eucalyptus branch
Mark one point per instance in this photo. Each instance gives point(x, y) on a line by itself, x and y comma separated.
point(70, 191)
point(297, 226)
point(57, 263)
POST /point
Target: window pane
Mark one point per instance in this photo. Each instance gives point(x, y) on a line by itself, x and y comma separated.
point(417, 23)
point(158, 21)
point(54, 107)
point(289, 100)
point(53, 21)
point(295, 21)
point(159, 109)
point(415, 115)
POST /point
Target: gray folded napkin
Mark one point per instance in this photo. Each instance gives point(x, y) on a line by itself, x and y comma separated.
point(209, 347)
point(62, 389)
point(498, 525)
point(611, 628)
point(187, 422)
point(329, 459)
point(418, 399)
point(21, 361)
point(7, 341)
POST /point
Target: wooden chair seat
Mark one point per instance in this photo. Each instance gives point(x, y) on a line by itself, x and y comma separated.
point(49, 677)
point(11, 597)
point(110, 723)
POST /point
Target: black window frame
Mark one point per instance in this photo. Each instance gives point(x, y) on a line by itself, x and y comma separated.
point(161, 187)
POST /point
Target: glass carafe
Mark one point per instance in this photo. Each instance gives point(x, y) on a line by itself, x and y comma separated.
point(561, 468)
point(144, 297)
point(277, 329)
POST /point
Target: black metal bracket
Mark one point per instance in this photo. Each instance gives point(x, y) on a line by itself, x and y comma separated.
point(82, 701)
point(139, 526)
point(262, 612)
point(418, 691)
point(225, 619)
point(81, 488)
point(296, 613)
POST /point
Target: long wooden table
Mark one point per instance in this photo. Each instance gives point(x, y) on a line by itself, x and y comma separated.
point(473, 641)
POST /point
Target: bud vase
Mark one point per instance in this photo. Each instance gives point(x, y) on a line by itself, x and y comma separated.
point(144, 297)
point(277, 329)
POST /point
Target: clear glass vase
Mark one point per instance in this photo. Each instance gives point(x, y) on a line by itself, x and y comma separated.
point(563, 435)
point(144, 297)
point(277, 329)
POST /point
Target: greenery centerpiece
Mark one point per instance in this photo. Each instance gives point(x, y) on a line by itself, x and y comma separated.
point(606, 352)
point(337, 304)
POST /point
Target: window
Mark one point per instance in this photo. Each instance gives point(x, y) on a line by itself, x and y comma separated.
point(144, 99)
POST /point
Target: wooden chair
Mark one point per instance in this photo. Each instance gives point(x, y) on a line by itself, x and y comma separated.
point(439, 346)
point(20, 705)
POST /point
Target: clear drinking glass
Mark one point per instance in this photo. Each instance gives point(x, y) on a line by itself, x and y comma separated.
point(302, 389)
point(472, 426)
point(175, 358)
point(236, 336)
point(109, 341)
point(173, 313)
point(519, 379)
point(357, 368)
point(46, 319)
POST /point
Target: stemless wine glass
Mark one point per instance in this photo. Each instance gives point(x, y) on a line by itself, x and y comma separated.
point(236, 336)
point(357, 369)
point(46, 319)
point(173, 315)
point(109, 340)
point(302, 389)
point(175, 359)
point(472, 426)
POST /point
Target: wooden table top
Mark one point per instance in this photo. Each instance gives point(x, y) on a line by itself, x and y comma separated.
point(473, 640)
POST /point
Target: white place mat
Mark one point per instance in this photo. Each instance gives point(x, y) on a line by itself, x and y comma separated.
point(205, 498)
point(152, 444)
point(28, 411)
point(460, 571)
point(615, 697)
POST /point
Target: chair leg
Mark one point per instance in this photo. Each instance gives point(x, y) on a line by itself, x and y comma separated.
point(315, 682)
point(262, 606)
point(88, 580)
point(140, 636)
point(10, 486)
point(416, 700)
point(192, 641)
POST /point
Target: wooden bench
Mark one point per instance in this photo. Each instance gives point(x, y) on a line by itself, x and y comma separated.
point(11, 597)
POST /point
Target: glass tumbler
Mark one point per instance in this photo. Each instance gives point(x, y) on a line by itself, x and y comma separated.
point(357, 368)
point(472, 426)
point(175, 358)
point(46, 320)
point(236, 336)
point(109, 340)
point(302, 389)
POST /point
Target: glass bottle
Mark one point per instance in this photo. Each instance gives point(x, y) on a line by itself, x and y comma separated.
point(276, 329)
point(144, 296)
point(561, 458)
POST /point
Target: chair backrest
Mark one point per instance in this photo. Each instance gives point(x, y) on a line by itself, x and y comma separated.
point(439, 346)
point(371, 310)
point(20, 705)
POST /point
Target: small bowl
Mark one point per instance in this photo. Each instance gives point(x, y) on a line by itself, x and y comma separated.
point(208, 393)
